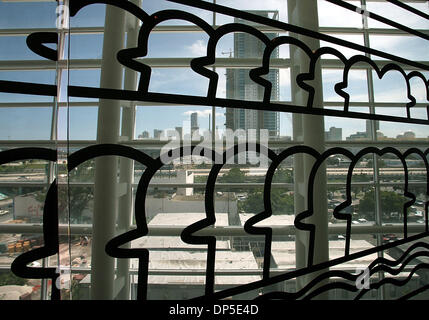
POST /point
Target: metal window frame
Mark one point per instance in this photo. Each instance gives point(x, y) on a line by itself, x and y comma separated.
point(180, 63)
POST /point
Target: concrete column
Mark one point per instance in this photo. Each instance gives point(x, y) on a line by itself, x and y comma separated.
point(309, 129)
point(126, 166)
point(105, 192)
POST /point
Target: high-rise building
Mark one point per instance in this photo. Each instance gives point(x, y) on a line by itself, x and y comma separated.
point(157, 133)
point(194, 125)
point(179, 131)
point(368, 127)
point(239, 85)
point(194, 119)
point(144, 135)
point(334, 134)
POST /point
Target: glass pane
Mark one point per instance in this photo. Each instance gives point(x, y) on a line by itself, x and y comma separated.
point(153, 6)
point(398, 14)
point(27, 15)
point(85, 46)
point(25, 123)
point(331, 15)
point(162, 45)
point(15, 48)
point(82, 123)
point(89, 16)
point(409, 47)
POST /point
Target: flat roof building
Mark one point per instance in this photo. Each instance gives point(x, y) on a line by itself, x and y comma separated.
point(177, 282)
point(185, 219)
point(174, 243)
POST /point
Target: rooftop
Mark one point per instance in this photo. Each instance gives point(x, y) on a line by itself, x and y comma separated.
point(274, 220)
point(186, 219)
point(188, 261)
point(159, 243)
point(284, 253)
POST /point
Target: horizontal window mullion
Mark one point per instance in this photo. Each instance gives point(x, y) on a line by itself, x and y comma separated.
point(203, 185)
point(202, 272)
point(11, 184)
point(373, 104)
point(272, 144)
point(30, 143)
point(16, 65)
point(48, 104)
point(371, 31)
point(74, 30)
point(218, 231)
point(153, 143)
point(380, 143)
point(193, 29)
point(142, 104)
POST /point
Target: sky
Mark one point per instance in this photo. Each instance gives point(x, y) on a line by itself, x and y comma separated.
point(34, 123)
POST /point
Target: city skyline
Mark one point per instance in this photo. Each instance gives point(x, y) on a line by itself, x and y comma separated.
point(34, 122)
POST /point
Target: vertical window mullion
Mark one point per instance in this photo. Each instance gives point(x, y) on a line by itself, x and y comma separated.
point(371, 99)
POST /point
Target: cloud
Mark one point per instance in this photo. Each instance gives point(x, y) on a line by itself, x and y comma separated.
point(412, 48)
point(387, 43)
point(333, 15)
point(347, 52)
point(395, 13)
point(336, 75)
point(418, 89)
point(198, 48)
point(178, 81)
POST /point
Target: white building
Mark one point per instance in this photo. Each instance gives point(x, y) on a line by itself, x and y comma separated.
point(176, 177)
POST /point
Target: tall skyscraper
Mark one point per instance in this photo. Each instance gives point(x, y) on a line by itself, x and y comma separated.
point(194, 120)
point(368, 127)
point(194, 123)
point(157, 133)
point(240, 86)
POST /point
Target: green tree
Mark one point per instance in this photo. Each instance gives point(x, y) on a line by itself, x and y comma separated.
point(390, 202)
point(234, 175)
point(281, 203)
point(254, 202)
point(380, 162)
point(79, 199)
point(8, 278)
point(361, 177)
point(283, 175)
point(333, 161)
point(85, 172)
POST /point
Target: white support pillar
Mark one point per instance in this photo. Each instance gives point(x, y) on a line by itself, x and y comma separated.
point(309, 129)
point(126, 166)
point(105, 196)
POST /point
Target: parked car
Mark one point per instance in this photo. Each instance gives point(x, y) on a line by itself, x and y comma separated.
point(389, 237)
